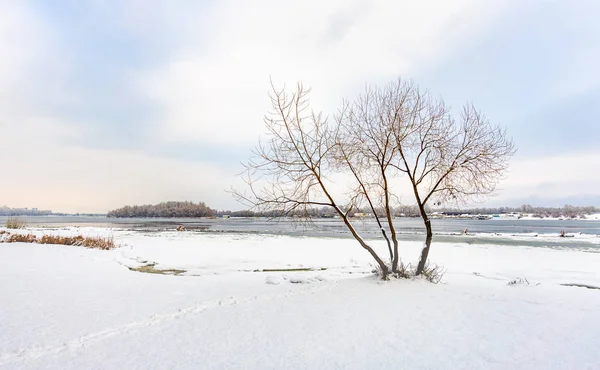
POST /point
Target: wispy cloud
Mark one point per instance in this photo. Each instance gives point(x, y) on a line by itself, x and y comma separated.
point(215, 89)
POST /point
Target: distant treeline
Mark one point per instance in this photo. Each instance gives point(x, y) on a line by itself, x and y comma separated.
point(324, 212)
point(191, 209)
point(165, 209)
point(564, 211)
point(7, 211)
point(413, 211)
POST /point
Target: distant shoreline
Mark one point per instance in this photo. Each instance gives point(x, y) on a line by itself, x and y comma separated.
point(466, 216)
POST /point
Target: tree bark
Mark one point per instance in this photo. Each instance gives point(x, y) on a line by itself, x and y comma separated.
point(388, 215)
point(425, 251)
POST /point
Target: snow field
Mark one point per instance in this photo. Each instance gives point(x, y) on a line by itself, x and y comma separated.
point(72, 308)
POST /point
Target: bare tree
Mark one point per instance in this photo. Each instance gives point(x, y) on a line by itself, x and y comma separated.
point(446, 160)
point(290, 171)
point(386, 133)
point(368, 148)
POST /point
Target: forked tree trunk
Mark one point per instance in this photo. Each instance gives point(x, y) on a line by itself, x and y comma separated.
point(385, 271)
point(429, 232)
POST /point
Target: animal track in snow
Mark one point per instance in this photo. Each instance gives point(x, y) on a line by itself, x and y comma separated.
point(37, 352)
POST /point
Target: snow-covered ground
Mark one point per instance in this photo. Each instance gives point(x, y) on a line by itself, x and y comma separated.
point(75, 308)
point(533, 216)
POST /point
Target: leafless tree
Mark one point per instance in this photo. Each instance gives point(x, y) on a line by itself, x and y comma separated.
point(367, 148)
point(290, 171)
point(445, 159)
point(386, 133)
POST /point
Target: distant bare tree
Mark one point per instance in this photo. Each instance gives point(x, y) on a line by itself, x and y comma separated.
point(386, 133)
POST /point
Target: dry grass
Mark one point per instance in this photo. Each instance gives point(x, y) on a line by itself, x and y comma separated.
point(404, 271)
point(431, 273)
point(98, 243)
point(79, 240)
point(20, 238)
point(519, 281)
point(15, 223)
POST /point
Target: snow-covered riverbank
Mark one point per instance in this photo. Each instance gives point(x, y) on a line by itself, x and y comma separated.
point(238, 303)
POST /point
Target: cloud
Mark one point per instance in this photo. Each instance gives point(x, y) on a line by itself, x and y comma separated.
point(551, 179)
point(532, 72)
point(215, 88)
point(104, 103)
point(31, 63)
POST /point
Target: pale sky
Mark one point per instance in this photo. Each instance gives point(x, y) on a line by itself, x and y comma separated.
point(107, 103)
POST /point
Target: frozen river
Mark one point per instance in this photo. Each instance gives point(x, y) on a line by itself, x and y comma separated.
point(583, 234)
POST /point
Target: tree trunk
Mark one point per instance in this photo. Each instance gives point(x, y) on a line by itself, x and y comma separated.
point(429, 232)
point(394, 237)
point(385, 271)
point(388, 216)
point(396, 257)
point(425, 251)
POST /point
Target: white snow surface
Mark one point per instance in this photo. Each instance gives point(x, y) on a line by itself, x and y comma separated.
point(75, 308)
point(595, 216)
